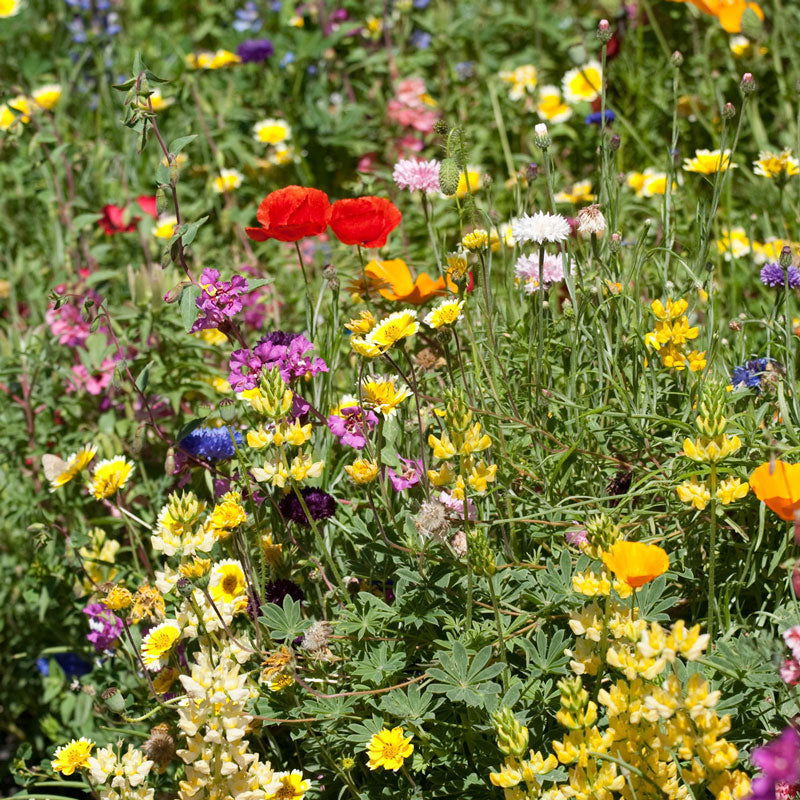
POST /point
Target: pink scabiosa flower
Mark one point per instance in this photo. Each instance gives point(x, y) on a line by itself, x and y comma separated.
point(417, 176)
point(526, 271)
point(408, 476)
point(350, 425)
point(540, 227)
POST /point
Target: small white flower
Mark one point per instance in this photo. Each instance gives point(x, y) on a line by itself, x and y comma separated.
point(540, 227)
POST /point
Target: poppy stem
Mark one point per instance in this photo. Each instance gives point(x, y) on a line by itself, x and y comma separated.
point(309, 304)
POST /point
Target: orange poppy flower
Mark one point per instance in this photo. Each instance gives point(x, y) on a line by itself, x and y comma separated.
point(394, 282)
point(728, 12)
point(636, 563)
point(777, 485)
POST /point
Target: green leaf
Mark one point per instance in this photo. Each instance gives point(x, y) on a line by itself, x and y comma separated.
point(284, 622)
point(178, 144)
point(143, 378)
point(188, 305)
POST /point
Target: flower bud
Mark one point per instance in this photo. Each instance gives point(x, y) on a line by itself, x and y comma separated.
point(512, 736)
point(113, 699)
point(541, 137)
point(449, 175)
point(748, 83)
point(604, 32)
point(786, 256)
point(479, 553)
point(728, 111)
point(676, 59)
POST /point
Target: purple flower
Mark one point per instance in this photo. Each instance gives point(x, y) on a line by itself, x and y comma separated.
point(255, 50)
point(779, 762)
point(409, 476)
point(275, 591)
point(247, 18)
point(219, 300)
point(773, 275)
point(320, 505)
point(596, 117)
point(351, 425)
point(454, 507)
point(105, 627)
point(576, 537)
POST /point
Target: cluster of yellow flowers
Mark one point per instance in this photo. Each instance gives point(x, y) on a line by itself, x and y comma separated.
point(736, 243)
point(216, 60)
point(18, 110)
point(651, 725)
point(456, 448)
point(276, 134)
point(671, 336)
point(710, 447)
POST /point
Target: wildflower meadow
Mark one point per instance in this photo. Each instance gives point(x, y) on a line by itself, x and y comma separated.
point(399, 400)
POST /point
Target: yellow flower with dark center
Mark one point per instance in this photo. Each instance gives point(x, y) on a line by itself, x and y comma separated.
point(110, 476)
point(74, 755)
point(227, 583)
point(389, 749)
point(158, 643)
point(707, 162)
point(636, 563)
point(776, 165)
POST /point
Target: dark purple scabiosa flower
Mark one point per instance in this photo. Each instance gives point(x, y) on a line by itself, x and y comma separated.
point(275, 591)
point(779, 762)
point(320, 505)
point(254, 51)
point(407, 476)
point(105, 627)
point(213, 444)
point(351, 425)
point(218, 300)
point(774, 275)
point(596, 117)
point(755, 374)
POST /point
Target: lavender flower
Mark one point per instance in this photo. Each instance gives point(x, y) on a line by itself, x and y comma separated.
point(247, 18)
point(351, 426)
point(219, 300)
point(422, 176)
point(773, 275)
point(105, 627)
point(320, 505)
point(213, 444)
point(421, 39)
point(410, 475)
point(779, 762)
point(253, 51)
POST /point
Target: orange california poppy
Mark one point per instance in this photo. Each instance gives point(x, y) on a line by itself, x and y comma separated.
point(777, 485)
point(395, 282)
point(728, 12)
point(636, 563)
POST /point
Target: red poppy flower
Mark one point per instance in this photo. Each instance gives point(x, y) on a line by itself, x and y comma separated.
point(364, 220)
point(147, 202)
point(291, 214)
point(113, 220)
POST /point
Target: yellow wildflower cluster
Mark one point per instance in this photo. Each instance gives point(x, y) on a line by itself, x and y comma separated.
point(18, 110)
point(457, 447)
point(671, 335)
point(651, 727)
point(216, 60)
point(710, 447)
point(381, 336)
point(776, 166)
point(649, 183)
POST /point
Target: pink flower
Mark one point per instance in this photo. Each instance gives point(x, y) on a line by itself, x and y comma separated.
point(409, 475)
point(454, 507)
point(576, 537)
point(417, 176)
point(95, 382)
point(367, 162)
point(411, 106)
point(408, 145)
point(526, 271)
point(68, 325)
point(790, 671)
point(792, 639)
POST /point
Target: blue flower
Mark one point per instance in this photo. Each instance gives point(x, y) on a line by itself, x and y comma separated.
point(772, 275)
point(596, 116)
point(421, 39)
point(211, 443)
point(72, 664)
point(465, 70)
point(753, 374)
point(247, 19)
point(288, 58)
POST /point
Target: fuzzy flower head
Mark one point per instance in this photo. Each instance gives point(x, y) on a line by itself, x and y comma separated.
point(214, 444)
point(320, 506)
point(417, 176)
point(526, 271)
point(583, 84)
point(109, 476)
point(540, 227)
point(389, 749)
point(707, 162)
point(74, 755)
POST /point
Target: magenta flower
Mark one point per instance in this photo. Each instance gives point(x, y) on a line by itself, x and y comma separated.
point(94, 383)
point(576, 537)
point(779, 762)
point(105, 627)
point(219, 300)
point(351, 426)
point(410, 474)
point(792, 639)
point(789, 671)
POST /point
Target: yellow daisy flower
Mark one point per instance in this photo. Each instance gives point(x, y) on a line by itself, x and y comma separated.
point(47, 96)
point(272, 131)
point(448, 312)
point(382, 395)
point(228, 180)
point(776, 165)
point(74, 755)
point(550, 107)
point(583, 84)
point(389, 749)
point(708, 162)
point(580, 192)
point(227, 583)
point(158, 643)
point(109, 476)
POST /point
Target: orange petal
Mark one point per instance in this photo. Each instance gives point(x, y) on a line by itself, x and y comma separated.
point(394, 275)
